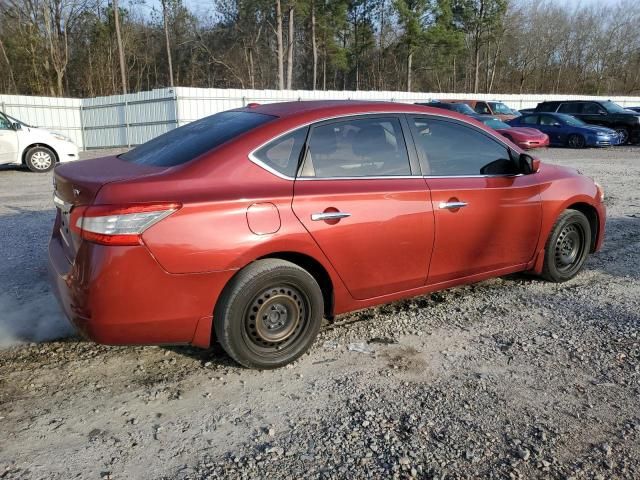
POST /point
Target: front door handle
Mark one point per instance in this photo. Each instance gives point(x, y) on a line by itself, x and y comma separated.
point(452, 205)
point(329, 216)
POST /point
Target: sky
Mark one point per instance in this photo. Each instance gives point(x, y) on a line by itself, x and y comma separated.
point(205, 8)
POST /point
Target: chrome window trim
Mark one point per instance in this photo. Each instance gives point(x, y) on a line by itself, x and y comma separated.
point(387, 177)
point(261, 164)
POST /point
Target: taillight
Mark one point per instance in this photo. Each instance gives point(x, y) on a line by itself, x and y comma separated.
point(118, 224)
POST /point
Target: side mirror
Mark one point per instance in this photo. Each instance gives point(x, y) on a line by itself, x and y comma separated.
point(16, 126)
point(528, 164)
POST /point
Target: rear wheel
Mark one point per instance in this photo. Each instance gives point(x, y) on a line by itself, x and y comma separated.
point(40, 159)
point(269, 314)
point(567, 247)
point(576, 141)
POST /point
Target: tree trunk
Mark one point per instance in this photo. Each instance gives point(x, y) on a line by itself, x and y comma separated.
point(168, 43)
point(290, 50)
point(409, 62)
point(252, 74)
point(280, 45)
point(123, 70)
point(314, 45)
point(476, 66)
point(9, 68)
point(380, 47)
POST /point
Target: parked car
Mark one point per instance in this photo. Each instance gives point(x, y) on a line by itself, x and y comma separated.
point(495, 109)
point(524, 111)
point(567, 131)
point(606, 114)
point(248, 226)
point(36, 148)
point(524, 137)
point(454, 107)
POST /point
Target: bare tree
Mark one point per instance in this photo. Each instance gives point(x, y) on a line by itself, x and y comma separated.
point(123, 68)
point(280, 45)
point(166, 38)
point(290, 41)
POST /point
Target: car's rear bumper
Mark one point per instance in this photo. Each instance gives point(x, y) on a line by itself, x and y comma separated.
point(122, 296)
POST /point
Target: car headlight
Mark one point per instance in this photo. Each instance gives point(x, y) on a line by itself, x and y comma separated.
point(602, 134)
point(61, 137)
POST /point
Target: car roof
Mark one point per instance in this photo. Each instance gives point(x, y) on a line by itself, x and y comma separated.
point(315, 110)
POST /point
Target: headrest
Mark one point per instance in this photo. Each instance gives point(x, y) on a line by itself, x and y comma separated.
point(371, 141)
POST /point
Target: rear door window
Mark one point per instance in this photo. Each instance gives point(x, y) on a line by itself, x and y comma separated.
point(192, 140)
point(570, 108)
point(530, 120)
point(369, 147)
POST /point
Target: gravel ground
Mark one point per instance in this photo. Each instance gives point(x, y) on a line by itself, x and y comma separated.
point(508, 378)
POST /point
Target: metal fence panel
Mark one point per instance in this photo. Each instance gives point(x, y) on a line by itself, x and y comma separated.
point(124, 120)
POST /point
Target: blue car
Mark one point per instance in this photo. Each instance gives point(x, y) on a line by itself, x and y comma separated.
point(567, 131)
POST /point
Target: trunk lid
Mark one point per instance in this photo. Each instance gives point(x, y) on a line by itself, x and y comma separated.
point(76, 185)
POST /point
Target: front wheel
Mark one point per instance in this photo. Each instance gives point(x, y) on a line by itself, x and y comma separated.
point(623, 135)
point(567, 247)
point(269, 314)
point(40, 159)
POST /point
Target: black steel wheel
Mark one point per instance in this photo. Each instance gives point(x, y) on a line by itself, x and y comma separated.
point(576, 141)
point(567, 247)
point(269, 314)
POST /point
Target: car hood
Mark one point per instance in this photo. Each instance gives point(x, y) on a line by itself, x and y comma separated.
point(596, 129)
point(525, 131)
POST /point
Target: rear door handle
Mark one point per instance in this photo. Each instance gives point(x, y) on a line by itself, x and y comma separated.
point(329, 216)
point(452, 205)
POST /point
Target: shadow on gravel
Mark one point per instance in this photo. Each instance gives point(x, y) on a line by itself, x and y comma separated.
point(215, 354)
point(620, 254)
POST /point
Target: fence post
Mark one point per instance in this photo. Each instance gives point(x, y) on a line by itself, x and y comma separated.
point(126, 121)
point(82, 132)
point(176, 108)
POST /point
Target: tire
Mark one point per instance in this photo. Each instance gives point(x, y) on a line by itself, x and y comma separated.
point(576, 141)
point(567, 247)
point(40, 159)
point(288, 299)
point(623, 133)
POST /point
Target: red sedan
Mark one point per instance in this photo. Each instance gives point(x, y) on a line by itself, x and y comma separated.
point(525, 137)
point(249, 226)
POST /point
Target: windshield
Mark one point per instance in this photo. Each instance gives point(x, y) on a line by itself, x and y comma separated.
point(501, 108)
point(182, 144)
point(614, 107)
point(569, 120)
point(495, 123)
point(15, 120)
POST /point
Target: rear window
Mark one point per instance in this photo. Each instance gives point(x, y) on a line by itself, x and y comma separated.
point(192, 140)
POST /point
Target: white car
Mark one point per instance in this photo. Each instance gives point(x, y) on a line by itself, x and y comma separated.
point(37, 148)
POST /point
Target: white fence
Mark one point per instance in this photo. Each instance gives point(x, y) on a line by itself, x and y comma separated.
point(123, 120)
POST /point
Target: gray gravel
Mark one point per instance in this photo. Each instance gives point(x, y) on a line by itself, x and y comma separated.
point(508, 378)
